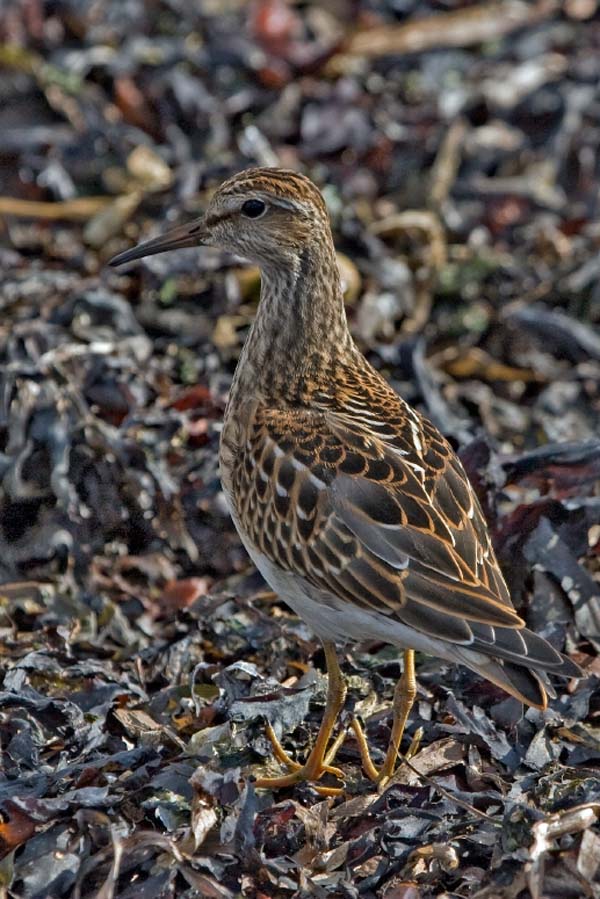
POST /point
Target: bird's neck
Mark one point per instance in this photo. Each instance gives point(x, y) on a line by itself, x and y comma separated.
point(300, 335)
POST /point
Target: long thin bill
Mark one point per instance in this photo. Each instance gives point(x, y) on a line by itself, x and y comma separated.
point(190, 235)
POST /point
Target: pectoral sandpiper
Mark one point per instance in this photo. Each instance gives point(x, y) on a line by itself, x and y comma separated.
point(351, 504)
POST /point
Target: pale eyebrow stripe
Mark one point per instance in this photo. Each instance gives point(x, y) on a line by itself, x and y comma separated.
point(291, 205)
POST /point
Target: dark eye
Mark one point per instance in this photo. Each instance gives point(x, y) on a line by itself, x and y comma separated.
point(253, 209)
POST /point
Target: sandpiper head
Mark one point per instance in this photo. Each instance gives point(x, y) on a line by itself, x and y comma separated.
point(267, 215)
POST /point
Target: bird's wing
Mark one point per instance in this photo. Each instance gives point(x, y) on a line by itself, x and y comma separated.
point(376, 511)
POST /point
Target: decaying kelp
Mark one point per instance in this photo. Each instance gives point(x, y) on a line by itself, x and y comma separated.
point(140, 653)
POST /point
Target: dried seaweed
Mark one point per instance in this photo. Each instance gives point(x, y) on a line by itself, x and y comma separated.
point(140, 655)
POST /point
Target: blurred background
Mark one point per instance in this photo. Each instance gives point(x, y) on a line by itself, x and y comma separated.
point(456, 144)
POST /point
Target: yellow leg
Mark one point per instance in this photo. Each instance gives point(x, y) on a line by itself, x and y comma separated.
point(404, 698)
point(318, 761)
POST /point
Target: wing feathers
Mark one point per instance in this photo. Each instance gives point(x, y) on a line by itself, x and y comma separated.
point(372, 501)
point(358, 515)
point(433, 622)
point(385, 519)
point(457, 599)
point(522, 646)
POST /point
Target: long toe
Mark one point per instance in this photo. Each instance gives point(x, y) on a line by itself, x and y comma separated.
point(316, 766)
point(308, 773)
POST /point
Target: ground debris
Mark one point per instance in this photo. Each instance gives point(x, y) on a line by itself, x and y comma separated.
point(140, 656)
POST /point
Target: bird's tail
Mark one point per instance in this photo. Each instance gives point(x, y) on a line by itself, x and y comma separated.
point(518, 661)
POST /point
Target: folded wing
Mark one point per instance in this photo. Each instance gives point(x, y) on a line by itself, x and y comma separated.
point(355, 515)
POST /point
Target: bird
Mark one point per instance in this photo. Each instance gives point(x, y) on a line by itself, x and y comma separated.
point(351, 503)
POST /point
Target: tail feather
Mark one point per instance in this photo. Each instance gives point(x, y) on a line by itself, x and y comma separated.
point(521, 677)
point(524, 684)
point(524, 648)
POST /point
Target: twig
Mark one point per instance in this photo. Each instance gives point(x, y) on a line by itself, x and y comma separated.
point(447, 162)
point(460, 28)
point(79, 209)
point(571, 820)
point(430, 781)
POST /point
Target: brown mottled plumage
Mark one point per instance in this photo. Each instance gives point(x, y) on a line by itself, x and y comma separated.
point(351, 504)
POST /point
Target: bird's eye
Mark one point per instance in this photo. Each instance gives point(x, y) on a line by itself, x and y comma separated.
point(253, 209)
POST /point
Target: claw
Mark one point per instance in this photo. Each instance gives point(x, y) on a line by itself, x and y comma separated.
point(404, 697)
point(319, 761)
point(312, 770)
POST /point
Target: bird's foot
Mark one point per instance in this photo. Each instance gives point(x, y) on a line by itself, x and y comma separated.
point(316, 765)
point(404, 698)
point(381, 776)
